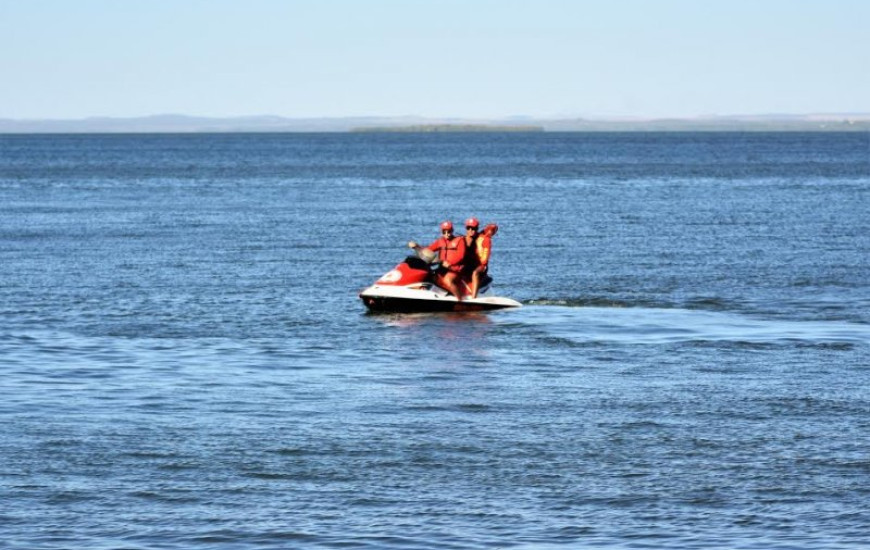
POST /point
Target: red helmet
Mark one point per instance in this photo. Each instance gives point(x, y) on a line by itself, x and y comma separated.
point(472, 222)
point(445, 226)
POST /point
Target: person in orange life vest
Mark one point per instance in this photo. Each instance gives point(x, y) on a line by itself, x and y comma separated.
point(451, 253)
point(483, 251)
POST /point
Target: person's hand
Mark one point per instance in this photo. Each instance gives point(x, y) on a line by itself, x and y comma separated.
point(445, 265)
point(412, 244)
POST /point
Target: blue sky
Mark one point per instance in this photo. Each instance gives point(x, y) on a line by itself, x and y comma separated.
point(436, 58)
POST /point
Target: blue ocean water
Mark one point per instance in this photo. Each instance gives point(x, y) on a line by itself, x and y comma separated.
point(185, 362)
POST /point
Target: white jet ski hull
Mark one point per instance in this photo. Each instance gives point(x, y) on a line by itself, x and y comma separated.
point(419, 298)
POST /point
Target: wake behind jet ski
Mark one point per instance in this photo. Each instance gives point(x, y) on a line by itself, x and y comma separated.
point(415, 286)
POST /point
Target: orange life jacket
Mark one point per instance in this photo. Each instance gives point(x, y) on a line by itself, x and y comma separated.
point(483, 249)
point(451, 251)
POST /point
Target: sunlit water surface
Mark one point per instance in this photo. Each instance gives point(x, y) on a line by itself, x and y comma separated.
point(186, 363)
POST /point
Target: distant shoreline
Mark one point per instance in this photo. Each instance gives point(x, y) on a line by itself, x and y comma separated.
point(848, 122)
point(434, 128)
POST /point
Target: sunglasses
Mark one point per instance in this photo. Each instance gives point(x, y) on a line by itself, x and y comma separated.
point(469, 227)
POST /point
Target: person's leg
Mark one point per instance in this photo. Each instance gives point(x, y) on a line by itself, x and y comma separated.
point(478, 275)
point(448, 281)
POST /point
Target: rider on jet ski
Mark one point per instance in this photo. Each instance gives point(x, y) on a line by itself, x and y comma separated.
point(478, 250)
point(451, 254)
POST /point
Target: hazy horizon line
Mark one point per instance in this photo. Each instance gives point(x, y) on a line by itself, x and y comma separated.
point(519, 117)
point(181, 123)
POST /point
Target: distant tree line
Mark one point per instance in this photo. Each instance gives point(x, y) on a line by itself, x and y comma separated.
point(450, 128)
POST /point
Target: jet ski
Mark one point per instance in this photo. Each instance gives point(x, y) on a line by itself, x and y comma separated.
point(409, 288)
